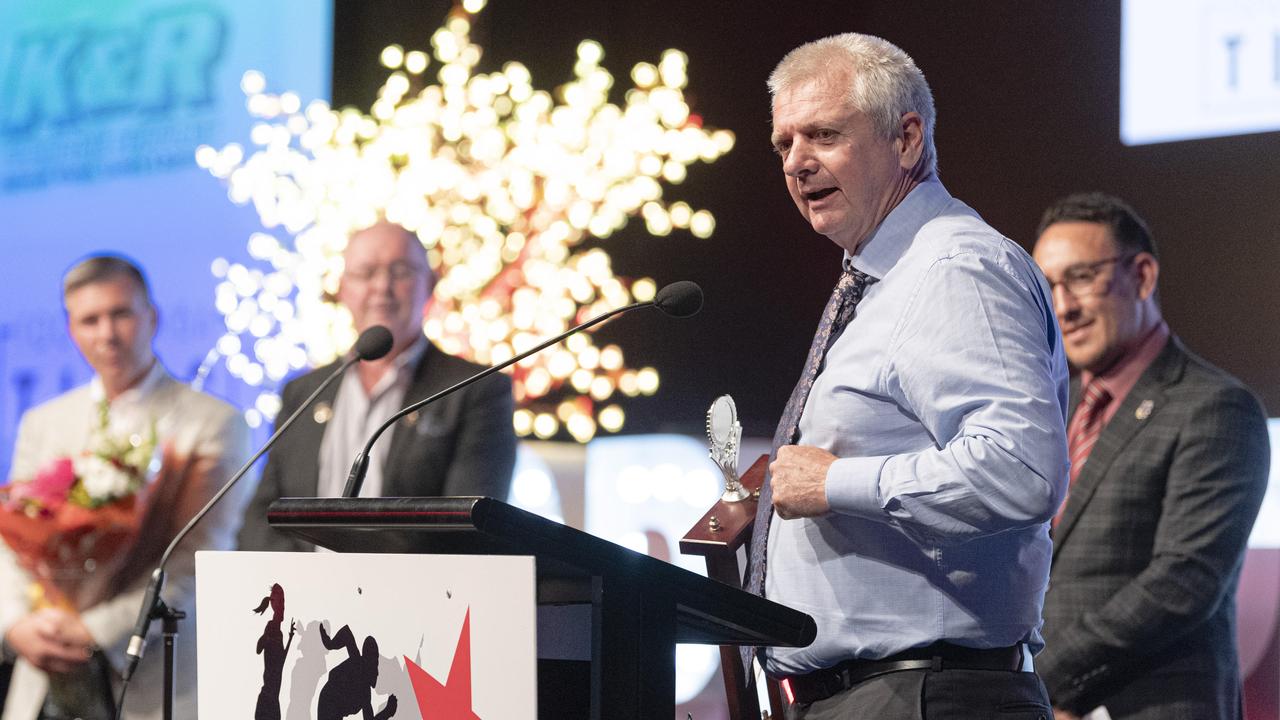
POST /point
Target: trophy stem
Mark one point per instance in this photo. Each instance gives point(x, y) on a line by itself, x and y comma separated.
point(734, 493)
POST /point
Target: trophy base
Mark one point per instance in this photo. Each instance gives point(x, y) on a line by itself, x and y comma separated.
point(738, 493)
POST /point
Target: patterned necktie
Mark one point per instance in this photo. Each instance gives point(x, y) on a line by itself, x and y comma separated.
point(839, 311)
point(1085, 427)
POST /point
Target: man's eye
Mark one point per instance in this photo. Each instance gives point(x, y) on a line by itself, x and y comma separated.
point(1079, 277)
point(824, 134)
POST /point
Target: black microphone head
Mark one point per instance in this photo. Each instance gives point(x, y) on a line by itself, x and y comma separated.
point(681, 299)
point(374, 343)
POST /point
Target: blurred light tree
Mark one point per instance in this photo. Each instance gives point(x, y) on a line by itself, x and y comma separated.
point(500, 181)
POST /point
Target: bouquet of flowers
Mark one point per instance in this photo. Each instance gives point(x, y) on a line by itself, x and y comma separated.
point(73, 524)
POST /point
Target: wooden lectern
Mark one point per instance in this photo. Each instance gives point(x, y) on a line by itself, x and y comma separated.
point(630, 609)
point(717, 536)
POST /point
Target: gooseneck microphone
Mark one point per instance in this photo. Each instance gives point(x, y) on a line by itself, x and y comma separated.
point(679, 299)
point(372, 344)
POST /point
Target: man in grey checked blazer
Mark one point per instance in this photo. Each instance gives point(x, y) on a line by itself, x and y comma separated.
point(1139, 617)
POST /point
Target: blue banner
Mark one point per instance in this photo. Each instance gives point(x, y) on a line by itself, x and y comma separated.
point(102, 107)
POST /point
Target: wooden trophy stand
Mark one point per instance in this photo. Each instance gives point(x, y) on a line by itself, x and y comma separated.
point(717, 536)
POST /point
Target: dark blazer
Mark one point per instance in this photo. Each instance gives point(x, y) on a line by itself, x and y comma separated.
point(463, 444)
point(1140, 610)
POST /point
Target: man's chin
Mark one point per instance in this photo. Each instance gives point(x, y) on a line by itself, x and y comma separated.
point(110, 368)
point(400, 336)
point(390, 323)
point(834, 230)
point(1090, 360)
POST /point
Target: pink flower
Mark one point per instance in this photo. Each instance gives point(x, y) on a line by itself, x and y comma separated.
point(48, 489)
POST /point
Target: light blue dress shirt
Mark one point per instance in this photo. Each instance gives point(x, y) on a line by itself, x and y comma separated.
point(945, 400)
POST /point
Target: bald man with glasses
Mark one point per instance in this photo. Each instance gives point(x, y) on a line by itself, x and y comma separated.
point(1169, 460)
point(464, 444)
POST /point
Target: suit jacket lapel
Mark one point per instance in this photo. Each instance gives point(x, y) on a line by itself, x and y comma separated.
point(1147, 394)
point(399, 456)
point(310, 431)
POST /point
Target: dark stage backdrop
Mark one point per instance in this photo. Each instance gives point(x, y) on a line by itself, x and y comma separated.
point(1028, 110)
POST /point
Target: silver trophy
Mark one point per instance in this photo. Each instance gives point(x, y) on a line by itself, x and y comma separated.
point(724, 433)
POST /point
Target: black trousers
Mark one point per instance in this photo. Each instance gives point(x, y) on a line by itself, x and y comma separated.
point(929, 695)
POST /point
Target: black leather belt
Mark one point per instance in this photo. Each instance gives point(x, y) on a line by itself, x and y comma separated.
point(822, 684)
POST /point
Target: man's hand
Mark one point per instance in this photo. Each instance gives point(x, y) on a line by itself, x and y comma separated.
point(53, 640)
point(1060, 714)
point(799, 479)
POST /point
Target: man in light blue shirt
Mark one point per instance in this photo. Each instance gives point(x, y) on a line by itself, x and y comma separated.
point(912, 511)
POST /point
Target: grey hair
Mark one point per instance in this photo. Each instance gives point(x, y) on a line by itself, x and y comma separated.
point(100, 268)
point(884, 82)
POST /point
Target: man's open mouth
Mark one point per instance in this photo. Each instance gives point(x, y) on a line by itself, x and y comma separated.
point(818, 194)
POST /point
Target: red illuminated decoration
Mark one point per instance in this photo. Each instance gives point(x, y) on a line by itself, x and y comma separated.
point(451, 700)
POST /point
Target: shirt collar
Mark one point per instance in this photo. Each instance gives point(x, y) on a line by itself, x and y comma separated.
point(408, 358)
point(134, 394)
point(880, 252)
point(411, 354)
point(1120, 378)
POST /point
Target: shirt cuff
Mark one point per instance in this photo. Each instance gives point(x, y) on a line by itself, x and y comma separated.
point(853, 486)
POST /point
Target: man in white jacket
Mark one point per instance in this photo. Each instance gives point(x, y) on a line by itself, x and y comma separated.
point(112, 320)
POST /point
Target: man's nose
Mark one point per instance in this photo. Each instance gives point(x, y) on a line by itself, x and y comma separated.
point(105, 329)
point(800, 160)
point(381, 281)
point(1064, 303)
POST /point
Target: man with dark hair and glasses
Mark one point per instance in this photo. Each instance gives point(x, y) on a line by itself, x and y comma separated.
point(1169, 460)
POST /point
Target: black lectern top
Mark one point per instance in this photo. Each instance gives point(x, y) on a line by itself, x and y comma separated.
point(572, 566)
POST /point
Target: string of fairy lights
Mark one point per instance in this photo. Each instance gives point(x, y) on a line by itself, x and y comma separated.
point(501, 181)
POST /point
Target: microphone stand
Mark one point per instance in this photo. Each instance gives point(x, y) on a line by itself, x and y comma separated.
point(155, 608)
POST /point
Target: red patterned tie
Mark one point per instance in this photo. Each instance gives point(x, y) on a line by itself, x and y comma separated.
point(1085, 427)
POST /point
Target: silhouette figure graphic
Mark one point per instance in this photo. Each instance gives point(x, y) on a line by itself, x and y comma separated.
point(308, 671)
point(350, 685)
point(273, 648)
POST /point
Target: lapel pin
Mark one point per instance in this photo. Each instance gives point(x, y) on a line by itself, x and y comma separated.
point(323, 413)
point(1144, 410)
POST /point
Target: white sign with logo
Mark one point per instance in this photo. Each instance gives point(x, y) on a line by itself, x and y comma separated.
point(305, 636)
point(1198, 68)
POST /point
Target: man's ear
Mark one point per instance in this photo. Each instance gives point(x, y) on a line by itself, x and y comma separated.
point(911, 135)
point(335, 296)
point(155, 319)
point(1147, 271)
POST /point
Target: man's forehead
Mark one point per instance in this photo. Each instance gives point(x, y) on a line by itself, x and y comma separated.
point(115, 288)
point(383, 241)
point(1078, 236)
point(811, 100)
point(835, 82)
point(1073, 244)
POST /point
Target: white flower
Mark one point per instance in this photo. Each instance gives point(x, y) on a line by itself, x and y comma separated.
point(102, 480)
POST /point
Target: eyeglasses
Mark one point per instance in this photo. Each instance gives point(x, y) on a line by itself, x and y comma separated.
point(1082, 280)
point(396, 271)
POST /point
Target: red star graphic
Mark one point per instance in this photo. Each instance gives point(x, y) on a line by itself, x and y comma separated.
point(452, 700)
